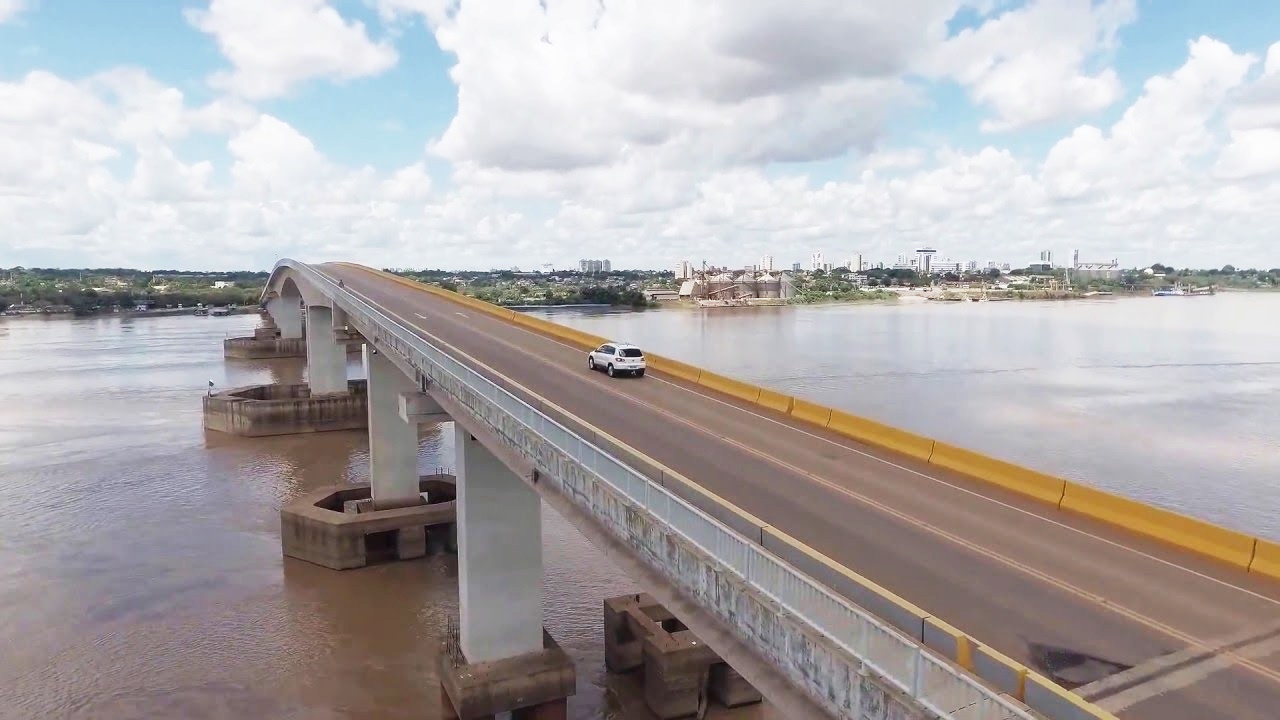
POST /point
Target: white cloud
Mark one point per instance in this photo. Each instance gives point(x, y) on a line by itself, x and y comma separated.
point(562, 141)
point(277, 45)
point(1254, 122)
point(1160, 138)
point(1029, 64)
point(10, 9)
point(578, 83)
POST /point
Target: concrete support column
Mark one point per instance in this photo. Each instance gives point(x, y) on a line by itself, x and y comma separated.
point(339, 318)
point(287, 313)
point(499, 556)
point(393, 443)
point(326, 358)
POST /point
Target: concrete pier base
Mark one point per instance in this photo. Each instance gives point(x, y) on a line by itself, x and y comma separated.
point(338, 528)
point(261, 410)
point(266, 344)
point(531, 686)
point(681, 674)
point(263, 348)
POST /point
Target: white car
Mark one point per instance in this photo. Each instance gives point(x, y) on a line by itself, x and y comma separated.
point(617, 359)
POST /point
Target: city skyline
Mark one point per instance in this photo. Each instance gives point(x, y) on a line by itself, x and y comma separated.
point(397, 132)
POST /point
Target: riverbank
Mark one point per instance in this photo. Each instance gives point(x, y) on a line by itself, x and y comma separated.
point(162, 312)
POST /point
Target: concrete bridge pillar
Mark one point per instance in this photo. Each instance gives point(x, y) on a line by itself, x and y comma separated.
point(286, 311)
point(393, 442)
point(326, 357)
point(499, 556)
point(339, 319)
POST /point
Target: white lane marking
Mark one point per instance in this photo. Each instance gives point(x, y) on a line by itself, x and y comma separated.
point(940, 481)
point(458, 314)
point(420, 316)
point(1190, 675)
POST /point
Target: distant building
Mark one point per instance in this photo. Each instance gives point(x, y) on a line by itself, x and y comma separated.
point(942, 267)
point(766, 263)
point(971, 266)
point(661, 295)
point(795, 267)
point(854, 263)
point(594, 266)
point(1046, 257)
point(816, 261)
point(220, 284)
point(684, 270)
point(924, 260)
point(1095, 271)
point(907, 262)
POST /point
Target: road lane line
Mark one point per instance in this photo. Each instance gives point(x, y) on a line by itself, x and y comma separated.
point(986, 552)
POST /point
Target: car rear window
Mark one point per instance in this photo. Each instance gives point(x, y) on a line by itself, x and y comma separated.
point(631, 352)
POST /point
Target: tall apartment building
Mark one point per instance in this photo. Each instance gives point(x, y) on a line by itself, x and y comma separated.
point(594, 266)
point(766, 263)
point(684, 270)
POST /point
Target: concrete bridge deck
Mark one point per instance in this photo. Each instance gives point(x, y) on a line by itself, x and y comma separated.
point(1144, 629)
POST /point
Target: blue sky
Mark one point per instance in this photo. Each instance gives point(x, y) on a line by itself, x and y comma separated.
point(386, 119)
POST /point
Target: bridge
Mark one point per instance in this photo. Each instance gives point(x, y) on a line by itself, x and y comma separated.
point(824, 556)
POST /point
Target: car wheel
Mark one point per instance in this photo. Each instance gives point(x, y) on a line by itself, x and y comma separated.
point(610, 370)
point(591, 363)
point(639, 373)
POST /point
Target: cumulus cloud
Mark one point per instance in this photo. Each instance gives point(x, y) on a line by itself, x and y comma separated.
point(10, 9)
point(1029, 64)
point(277, 45)
point(577, 127)
point(1160, 137)
point(580, 83)
point(1254, 122)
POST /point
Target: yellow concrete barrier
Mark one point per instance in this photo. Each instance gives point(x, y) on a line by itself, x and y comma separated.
point(674, 368)
point(881, 435)
point(811, 412)
point(998, 472)
point(775, 400)
point(1003, 672)
point(1052, 700)
point(1186, 532)
point(949, 642)
point(729, 386)
point(1266, 559)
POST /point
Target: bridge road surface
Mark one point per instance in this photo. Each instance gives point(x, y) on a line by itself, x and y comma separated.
point(1147, 631)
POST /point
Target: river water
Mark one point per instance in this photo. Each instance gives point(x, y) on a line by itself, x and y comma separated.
point(140, 566)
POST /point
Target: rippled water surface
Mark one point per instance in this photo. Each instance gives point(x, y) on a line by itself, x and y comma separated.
point(1173, 400)
point(140, 567)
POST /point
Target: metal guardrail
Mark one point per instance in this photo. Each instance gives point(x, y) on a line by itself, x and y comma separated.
point(899, 660)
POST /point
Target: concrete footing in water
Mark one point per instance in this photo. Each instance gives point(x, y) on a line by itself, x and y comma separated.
point(261, 410)
point(533, 686)
point(266, 344)
point(338, 528)
point(681, 674)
